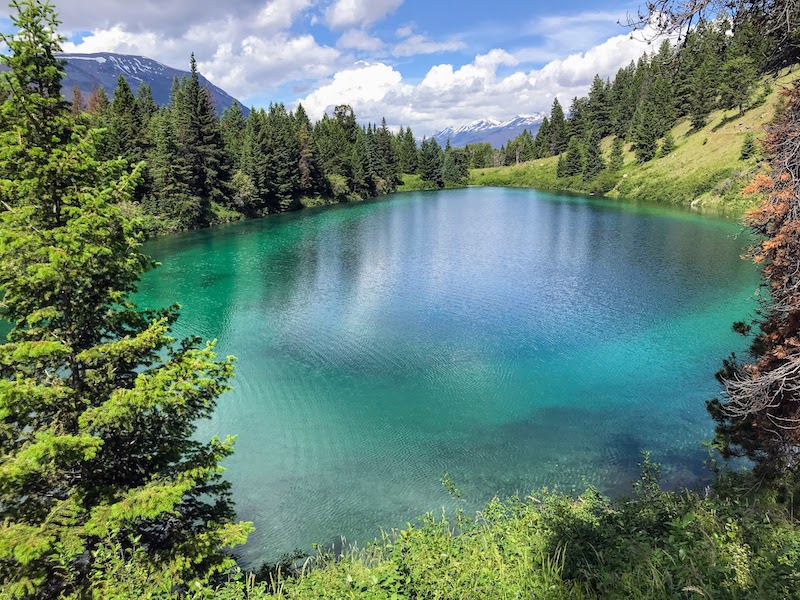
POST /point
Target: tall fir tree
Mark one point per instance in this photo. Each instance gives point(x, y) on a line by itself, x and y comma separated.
point(99, 405)
point(558, 129)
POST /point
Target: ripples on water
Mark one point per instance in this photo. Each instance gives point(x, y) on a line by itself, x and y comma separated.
point(513, 338)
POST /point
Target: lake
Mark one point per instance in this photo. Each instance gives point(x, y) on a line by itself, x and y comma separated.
point(513, 338)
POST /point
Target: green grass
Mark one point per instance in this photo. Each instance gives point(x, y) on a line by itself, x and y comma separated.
point(704, 171)
point(734, 540)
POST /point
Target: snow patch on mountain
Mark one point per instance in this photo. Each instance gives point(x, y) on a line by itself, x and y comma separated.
point(497, 133)
point(91, 71)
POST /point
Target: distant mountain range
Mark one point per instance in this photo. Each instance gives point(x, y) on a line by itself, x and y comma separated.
point(90, 71)
point(497, 133)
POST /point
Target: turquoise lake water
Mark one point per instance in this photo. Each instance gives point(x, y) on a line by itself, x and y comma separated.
point(513, 338)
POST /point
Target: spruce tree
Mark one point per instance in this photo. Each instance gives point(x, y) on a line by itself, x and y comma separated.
point(232, 127)
point(407, 152)
point(593, 163)
point(573, 159)
point(99, 404)
point(667, 144)
point(430, 162)
point(126, 125)
point(616, 161)
point(558, 129)
point(543, 141)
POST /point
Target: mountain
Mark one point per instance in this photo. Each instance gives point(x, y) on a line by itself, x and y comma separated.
point(497, 133)
point(90, 71)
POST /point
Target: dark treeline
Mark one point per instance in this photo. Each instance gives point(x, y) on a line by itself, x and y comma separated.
point(201, 169)
point(716, 67)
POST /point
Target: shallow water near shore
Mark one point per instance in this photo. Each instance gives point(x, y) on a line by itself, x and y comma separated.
point(513, 338)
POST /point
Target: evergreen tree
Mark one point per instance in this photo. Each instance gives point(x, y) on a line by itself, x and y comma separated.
point(310, 180)
point(573, 159)
point(126, 123)
point(558, 129)
point(593, 163)
point(667, 144)
point(455, 170)
point(598, 107)
point(749, 147)
point(99, 406)
point(430, 162)
point(232, 127)
point(200, 141)
point(171, 174)
point(407, 151)
point(647, 125)
point(543, 141)
point(616, 161)
point(739, 75)
point(279, 145)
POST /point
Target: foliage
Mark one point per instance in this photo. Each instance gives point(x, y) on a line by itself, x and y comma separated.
point(734, 541)
point(749, 147)
point(99, 405)
point(759, 417)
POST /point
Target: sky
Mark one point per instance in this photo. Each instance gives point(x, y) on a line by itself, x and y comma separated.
point(426, 64)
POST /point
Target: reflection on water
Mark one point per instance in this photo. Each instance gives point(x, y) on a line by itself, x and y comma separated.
point(513, 338)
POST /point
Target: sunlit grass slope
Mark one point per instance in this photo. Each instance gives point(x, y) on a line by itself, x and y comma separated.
point(704, 171)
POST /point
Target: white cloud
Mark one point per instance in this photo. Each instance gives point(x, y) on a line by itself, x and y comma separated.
point(362, 84)
point(415, 44)
point(249, 53)
point(452, 96)
point(358, 39)
point(349, 13)
point(277, 15)
point(258, 63)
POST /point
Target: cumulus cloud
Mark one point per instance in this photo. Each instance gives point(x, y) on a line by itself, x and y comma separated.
point(251, 51)
point(350, 13)
point(486, 87)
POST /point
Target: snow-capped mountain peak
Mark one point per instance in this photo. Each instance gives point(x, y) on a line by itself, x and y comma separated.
point(90, 71)
point(495, 132)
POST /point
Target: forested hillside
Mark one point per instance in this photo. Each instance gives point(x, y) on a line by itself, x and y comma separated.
point(680, 125)
point(200, 169)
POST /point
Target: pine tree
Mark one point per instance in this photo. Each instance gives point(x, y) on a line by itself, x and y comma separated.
point(739, 74)
point(749, 147)
point(200, 141)
point(99, 406)
point(558, 129)
point(407, 151)
point(616, 161)
point(598, 107)
point(430, 162)
point(573, 159)
point(232, 127)
point(310, 180)
point(543, 141)
point(593, 163)
point(145, 104)
point(126, 123)
point(171, 174)
point(667, 145)
point(454, 165)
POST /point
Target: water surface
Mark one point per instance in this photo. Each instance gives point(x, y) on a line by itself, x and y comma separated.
point(513, 338)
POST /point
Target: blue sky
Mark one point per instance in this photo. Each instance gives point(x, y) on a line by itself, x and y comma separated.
point(428, 64)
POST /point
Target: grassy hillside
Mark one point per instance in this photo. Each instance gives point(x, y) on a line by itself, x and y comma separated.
point(704, 170)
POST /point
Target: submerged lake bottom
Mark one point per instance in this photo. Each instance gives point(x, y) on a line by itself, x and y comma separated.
point(512, 338)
